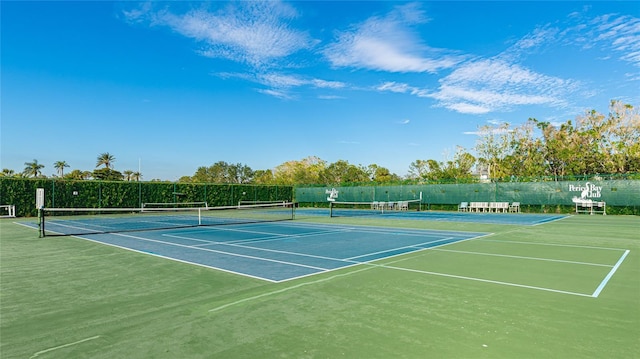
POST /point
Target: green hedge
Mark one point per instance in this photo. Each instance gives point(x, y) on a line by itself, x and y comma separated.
point(59, 193)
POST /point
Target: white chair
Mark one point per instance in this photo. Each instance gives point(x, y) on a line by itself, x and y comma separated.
point(493, 206)
point(514, 207)
point(463, 207)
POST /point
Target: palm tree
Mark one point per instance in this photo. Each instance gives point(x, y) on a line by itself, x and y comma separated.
point(7, 173)
point(128, 174)
point(136, 176)
point(105, 159)
point(33, 168)
point(60, 165)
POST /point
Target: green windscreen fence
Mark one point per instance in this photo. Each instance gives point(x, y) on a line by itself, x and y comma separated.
point(21, 192)
point(623, 193)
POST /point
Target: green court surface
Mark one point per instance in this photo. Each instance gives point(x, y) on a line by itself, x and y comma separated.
point(563, 289)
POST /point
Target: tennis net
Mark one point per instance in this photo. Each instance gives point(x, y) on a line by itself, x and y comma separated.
point(347, 209)
point(175, 205)
point(79, 221)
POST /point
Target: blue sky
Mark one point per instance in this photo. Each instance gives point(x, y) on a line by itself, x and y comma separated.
point(171, 86)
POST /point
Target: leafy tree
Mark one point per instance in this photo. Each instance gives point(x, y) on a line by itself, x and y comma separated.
point(223, 172)
point(33, 169)
point(239, 173)
point(305, 171)
point(263, 177)
point(7, 173)
point(105, 159)
point(459, 168)
point(418, 170)
point(59, 166)
point(78, 175)
point(592, 143)
point(526, 158)
point(107, 174)
point(493, 147)
point(625, 133)
point(383, 175)
point(185, 179)
point(343, 172)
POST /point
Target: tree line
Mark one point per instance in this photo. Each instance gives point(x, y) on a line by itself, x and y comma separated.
point(591, 144)
point(34, 169)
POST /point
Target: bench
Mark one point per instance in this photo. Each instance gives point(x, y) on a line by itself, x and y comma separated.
point(591, 207)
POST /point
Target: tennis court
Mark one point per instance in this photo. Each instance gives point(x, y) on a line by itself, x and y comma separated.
point(524, 219)
point(278, 251)
point(392, 287)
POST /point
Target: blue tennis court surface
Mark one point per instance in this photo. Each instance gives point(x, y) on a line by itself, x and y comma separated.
point(525, 219)
point(280, 251)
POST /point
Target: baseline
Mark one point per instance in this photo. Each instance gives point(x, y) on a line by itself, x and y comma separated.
point(611, 273)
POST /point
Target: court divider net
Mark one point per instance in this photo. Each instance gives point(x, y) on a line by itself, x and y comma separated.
point(346, 209)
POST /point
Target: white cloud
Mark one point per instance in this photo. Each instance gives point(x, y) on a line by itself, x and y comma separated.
point(330, 97)
point(463, 107)
point(402, 88)
point(388, 44)
point(327, 84)
point(276, 93)
point(613, 34)
point(483, 86)
point(488, 131)
point(280, 84)
point(538, 39)
point(276, 80)
point(254, 32)
point(490, 85)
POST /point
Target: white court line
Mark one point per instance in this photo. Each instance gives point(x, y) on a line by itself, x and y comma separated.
point(271, 250)
point(95, 228)
point(522, 257)
point(387, 230)
point(216, 251)
point(345, 260)
point(63, 346)
point(551, 221)
point(553, 244)
point(284, 236)
point(407, 256)
point(224, 306)
point(230, 229)
point(417, 246)
point(613, 270)
point(367, 266)
point(486, 281)
point(274, 237)
point(85, 227)
point(168, 257)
